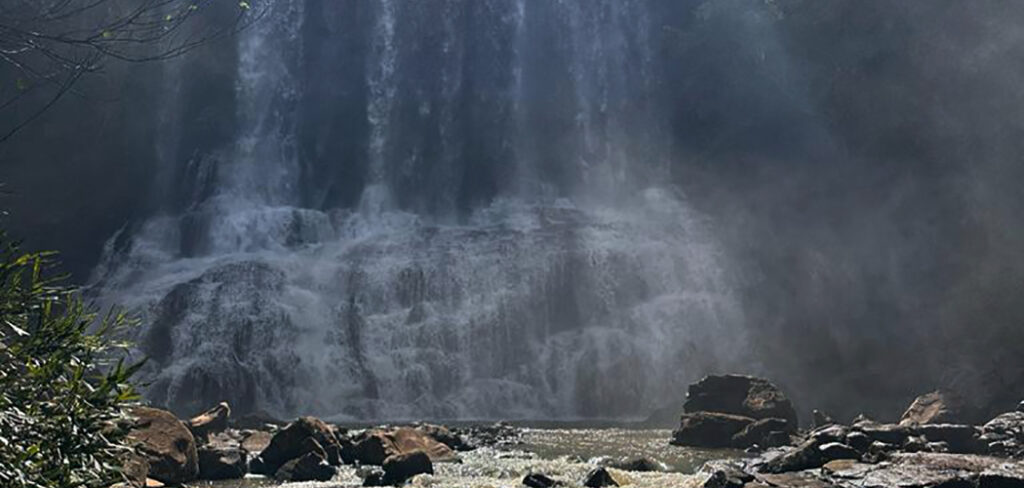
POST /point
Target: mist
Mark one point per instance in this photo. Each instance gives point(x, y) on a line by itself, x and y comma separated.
point(622, 196)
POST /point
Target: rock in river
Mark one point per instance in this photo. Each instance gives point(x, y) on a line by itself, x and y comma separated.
point(168, 445)
point(745, 396)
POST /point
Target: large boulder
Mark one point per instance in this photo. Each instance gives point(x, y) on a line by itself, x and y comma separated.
point(400, 467)
point(375, 446)
point(745, 396)
point(167, 444)
point(937, 407)
point(293, 442)
point(708, 429)
point(209, 422)
point(222, 463)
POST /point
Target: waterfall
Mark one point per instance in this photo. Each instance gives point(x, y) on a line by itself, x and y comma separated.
point(437, 209)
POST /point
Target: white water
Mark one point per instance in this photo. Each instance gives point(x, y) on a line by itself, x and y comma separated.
point(601, 298)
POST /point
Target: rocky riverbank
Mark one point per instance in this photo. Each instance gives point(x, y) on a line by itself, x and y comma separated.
point(750, 426)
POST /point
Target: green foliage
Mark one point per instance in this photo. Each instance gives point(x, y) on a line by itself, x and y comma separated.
point(62, 390)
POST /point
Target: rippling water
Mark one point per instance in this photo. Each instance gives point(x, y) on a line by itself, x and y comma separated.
point(563, 454)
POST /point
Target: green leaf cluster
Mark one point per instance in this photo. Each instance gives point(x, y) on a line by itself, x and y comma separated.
point(64, 385)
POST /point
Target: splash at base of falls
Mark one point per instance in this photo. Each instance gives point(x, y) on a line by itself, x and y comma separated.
point(525, 311)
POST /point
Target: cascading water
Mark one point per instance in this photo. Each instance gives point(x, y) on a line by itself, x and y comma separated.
point(437, 209)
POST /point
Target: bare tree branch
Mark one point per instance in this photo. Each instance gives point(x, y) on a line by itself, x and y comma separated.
point(49, 45)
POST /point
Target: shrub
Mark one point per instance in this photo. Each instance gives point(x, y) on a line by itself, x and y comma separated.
point(62, 388)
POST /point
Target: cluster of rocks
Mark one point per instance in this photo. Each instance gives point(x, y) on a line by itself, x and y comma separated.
point(211, 446)
point(929, 447)
point(737, 412)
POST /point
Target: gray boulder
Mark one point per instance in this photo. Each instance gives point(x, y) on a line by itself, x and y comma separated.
point(745, 396)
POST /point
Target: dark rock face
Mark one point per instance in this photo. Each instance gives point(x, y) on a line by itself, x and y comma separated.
point(209, 422)
point(937, 407)
point(309, 467)
point(740, 395)
point(707, 429)
point(401, 467)
point(167, 444)
point(305, 435)
point(222, 463)
point(537, 480)
point(599, 477)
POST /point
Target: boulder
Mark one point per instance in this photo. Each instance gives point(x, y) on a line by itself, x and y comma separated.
point(887, 433)
point(831, 433)
point(222, 463)
point(167, 445)
point(445, 436)
point(309, 467)
point(371, 448)
point(598, 478)
point(859, 441)
point(937, 407)
point(745, 396)
point(707, 429)
point(538, 480)
point(962, 439)
point(805, 456)
point(723, 474)
point(636, 463)
point(255, 442)
point(375, 446)
point(399, 468)
point(1020, 406)
point(408, 440)
point(293, 442)
point(770, 432)
point(209, 422)
point(1010, 424)
point(834, 450)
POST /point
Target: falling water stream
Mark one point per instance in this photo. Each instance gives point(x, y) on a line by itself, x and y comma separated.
point(440, 209)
